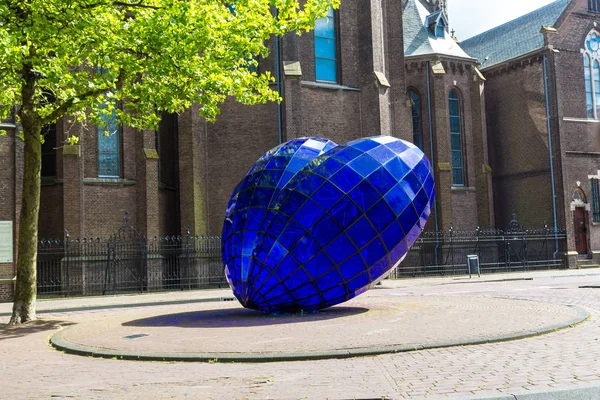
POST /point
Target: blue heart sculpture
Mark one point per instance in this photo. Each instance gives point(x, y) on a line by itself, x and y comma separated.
point(314, 224)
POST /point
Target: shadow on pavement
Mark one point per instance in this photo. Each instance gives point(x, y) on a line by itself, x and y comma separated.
point(240, 317)
point(40, 325)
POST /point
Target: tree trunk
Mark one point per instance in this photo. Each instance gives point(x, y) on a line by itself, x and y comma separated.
point(26, 289)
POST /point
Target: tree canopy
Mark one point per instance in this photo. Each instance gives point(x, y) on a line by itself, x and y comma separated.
point(147, 56)
point(131, 59)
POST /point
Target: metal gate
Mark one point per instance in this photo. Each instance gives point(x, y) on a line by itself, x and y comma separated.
point(127, 263)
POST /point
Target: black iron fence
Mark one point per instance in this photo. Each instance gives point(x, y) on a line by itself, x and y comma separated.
point(516, 249)
point(127, 262)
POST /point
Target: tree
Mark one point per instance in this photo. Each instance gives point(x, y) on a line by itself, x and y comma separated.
point(92, 59)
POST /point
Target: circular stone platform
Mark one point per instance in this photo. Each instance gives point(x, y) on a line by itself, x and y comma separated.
point(374, 323)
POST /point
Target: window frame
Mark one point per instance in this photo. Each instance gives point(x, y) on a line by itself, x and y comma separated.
point(336, 38)
point(591, 76)
point(595, 200)
point(463, 166)
point(594, 6)
point(419, 116)
point(119, 164)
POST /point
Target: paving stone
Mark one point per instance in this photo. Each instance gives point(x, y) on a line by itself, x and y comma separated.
point(566, 358)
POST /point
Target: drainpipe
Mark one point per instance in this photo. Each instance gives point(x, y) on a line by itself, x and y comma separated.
point(279, 90)
point(435, 211)
point(551, 156)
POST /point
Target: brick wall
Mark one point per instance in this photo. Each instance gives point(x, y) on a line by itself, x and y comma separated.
point(460, 207)
point(518, 143)
point(9, 188)
point(51, 212)
point(240, 136)
point(579, 150)
point(6, 292)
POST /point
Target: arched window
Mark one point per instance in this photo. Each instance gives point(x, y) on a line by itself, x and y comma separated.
point(456, 142)
point(591, 65)
point(109, 148)
point(579, 195)
point(326, 48)
point(415, 105)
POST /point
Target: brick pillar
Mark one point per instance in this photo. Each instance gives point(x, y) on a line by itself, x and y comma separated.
point(443, 161)
point(73, 174)
point(401, 118)
point(192, 172)
point(292, 106)
point(147, 184)
point(369, 94)
point(371, 60)
point(73, 190)
point(483, 171)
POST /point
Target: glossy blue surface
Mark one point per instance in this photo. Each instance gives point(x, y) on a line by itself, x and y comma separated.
point(314, 224)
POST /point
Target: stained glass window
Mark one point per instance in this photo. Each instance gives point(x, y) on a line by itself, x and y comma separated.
point(589, 94)
point(458, 175)
point(415, 101)
point(326, 48)
point(591, 59)
point(109, 148)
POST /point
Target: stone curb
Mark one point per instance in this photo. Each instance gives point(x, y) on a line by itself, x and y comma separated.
point(127, 305)
point(59, 343)
point(563, 392)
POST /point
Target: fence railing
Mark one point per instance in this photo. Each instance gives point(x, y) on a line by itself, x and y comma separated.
point(127, 262)
point(445, 253)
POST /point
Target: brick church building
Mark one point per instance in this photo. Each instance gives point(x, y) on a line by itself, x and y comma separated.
point(507, 119)
point(543, 111)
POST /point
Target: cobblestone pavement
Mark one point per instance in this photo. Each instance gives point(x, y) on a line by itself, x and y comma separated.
point(570, 358)
point(375, 320)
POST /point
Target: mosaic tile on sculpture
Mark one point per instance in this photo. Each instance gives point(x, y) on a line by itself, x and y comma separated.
point(341, 223)
point(255, 192)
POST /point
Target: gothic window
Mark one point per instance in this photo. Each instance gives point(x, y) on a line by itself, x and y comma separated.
point(109, 148)
point(415, 105)
point(326, 48)
point(591, 65)
point(49, 151)
point(456, 140)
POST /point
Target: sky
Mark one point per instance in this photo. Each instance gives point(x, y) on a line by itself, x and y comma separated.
point(471, 17)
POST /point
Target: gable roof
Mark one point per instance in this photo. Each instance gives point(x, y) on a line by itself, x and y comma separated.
point(515, 38)
point(418, 38)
